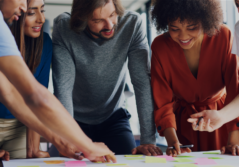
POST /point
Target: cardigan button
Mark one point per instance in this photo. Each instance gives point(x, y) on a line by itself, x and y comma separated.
point(238, 124)
point(159, 128)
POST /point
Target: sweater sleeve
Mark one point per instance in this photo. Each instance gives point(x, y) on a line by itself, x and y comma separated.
point(139, 68)
point(163, 97)
point(63, 68)
point(230, 71)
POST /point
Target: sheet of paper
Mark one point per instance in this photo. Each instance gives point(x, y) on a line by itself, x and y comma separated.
point(168, 158)
point(182, 160)
point(54, 162)
point(212, 153)
point(155, 160)
point(205, 161)
point(185, 165)
point(214, 158)
point(75, 163)
point(117, 165)
point(28, 166)
point(133, 156)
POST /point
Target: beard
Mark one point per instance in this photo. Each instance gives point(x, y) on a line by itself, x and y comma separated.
point(8, 22)
point(104, 30)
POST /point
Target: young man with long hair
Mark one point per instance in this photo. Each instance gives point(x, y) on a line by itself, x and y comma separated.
point(93, 47)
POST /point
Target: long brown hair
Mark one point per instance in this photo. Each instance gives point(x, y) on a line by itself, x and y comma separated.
point(30, 48)
point(82, 10)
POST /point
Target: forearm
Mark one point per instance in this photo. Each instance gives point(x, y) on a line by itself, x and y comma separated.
point(230, 111)
point(33, 139)
point(171, 136)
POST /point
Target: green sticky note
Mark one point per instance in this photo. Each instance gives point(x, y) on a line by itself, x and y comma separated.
point(182, 160)
point(211, 153)
point(28, 166)
point(155, 160)
point(185, 165)
point(185, 156)
point(133, 156)
point(215, 158)
point(116, 165)
point(223, 166)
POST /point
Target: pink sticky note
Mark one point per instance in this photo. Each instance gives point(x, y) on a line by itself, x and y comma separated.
point(205, 161)
point(168, 158)
point(75, 163)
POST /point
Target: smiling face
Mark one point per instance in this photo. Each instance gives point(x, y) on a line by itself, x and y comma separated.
point(35, 18)
point(12, 9)
point(186, 34)
point(103, 22)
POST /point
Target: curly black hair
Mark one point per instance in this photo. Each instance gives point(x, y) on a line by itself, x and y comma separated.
point(208, 12)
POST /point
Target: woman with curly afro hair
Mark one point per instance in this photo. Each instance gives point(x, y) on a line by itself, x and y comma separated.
point(192, 70)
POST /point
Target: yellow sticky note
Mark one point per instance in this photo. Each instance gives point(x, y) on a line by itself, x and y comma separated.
point(116, 165)
point(54, 162)
point(133, 156)
point(183, 160)
point(155, 160)
point(185, 165)
point(223, 166)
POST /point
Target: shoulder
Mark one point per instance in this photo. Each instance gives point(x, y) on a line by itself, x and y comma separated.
point(46, 38)
point(65, 17)
point(224, 33)
point(161, 41)
point(130, 17)
point(47, 45)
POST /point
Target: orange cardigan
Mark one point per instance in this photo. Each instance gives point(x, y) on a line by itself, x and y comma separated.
point(178, 94)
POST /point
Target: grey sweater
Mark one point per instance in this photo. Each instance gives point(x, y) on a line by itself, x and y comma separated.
point(89, 74)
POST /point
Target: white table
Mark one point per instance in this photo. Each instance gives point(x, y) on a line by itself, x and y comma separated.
point(227, 160)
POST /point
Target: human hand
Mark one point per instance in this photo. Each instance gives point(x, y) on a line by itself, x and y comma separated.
point(99, 151)
point(36, 153)
point(211, 120)
point(4, 155)
point(232, 144)
point(147, 149)
point(177, 151)
point(172, 140)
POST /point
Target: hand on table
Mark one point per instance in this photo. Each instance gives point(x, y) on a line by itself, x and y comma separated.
point(100, 151)
point(232, 144)
point(36, 153)
point(147, 149)
point(4, 155)
point(211, 121)
point(177, 151)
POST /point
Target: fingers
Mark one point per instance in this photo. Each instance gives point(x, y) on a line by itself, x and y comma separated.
point(4, 155)
point(192, 120)
point(177, 147)
point(134, 151)
point(152, 152)
point(174, 153)
point(223, 150)
point(169, 152)
point(111, 158)
point(201, 123)
point(198, 115)
point(158, 151)
point(146, 152)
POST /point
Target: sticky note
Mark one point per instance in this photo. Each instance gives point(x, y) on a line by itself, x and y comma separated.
point(155, 160)
point(54, 162)
point(116, 164)
point(75, 163)
point(133, 156)
point(168, 158)
point(183, 160)
point(223, 166)
point(211, 153)
point(205, 161)
point(185, 165)
point(215, 158)
point(185, 156)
